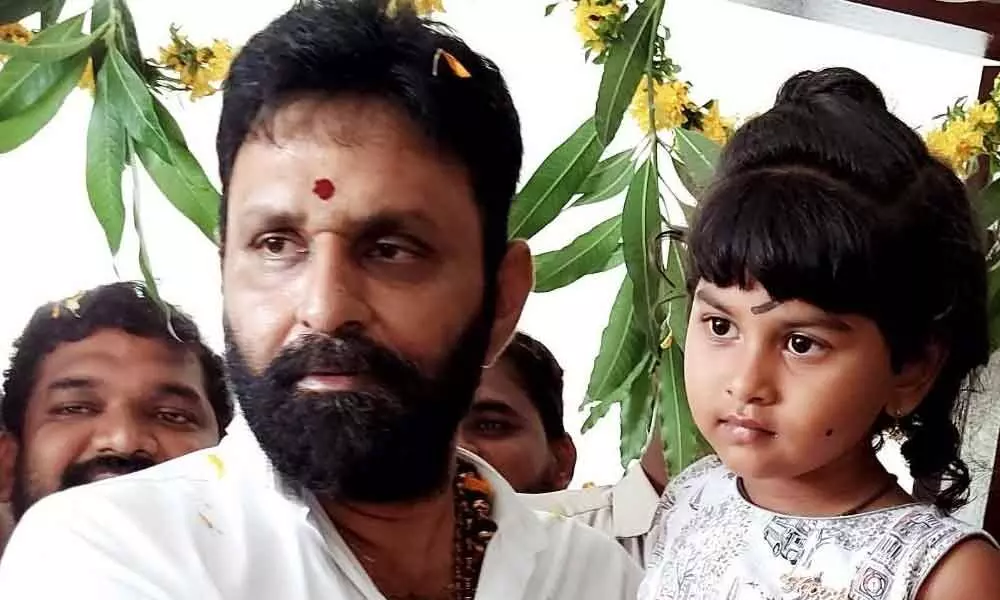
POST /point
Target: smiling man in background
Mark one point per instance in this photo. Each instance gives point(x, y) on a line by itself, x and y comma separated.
point(99, 385)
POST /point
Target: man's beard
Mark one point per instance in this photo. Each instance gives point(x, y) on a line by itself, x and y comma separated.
point(25, 493)
point(391, 441)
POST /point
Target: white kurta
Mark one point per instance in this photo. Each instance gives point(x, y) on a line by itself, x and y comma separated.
point(219, 525)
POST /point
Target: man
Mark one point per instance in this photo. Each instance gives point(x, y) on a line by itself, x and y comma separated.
point(516, 420)
point(368, 164)
point(6, 481)
point(625, 511)
point(516, 425)
point(99, 385)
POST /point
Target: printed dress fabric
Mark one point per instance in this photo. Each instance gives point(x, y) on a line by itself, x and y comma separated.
point(715, 545)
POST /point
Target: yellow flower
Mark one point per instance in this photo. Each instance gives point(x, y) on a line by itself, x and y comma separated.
point(426, 7)
point(14, 33)
point(87, 78)
point(199, 68)
point(670, 98)
point(217, 64)
point(199, 81)
point(715, 126)
point(983, 115)
point(957, 143)
point(171, 56)
point(588, 15)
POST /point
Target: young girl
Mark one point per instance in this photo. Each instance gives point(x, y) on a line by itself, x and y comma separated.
point(839, 295)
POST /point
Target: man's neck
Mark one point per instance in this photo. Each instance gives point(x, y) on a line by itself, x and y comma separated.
point(406, 548)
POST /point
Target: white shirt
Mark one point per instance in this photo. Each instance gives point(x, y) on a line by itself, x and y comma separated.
point(219, 525)
point(624, 511)
point(715, 544)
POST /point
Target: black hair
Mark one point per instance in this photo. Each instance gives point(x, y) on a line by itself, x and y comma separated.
point(125, 306)
point(541, 377)
point(830, 199)
point(333, 48)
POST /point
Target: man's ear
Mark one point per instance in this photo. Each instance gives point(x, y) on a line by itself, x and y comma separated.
point(564, 461)
point(515, 279)
point(8, 455)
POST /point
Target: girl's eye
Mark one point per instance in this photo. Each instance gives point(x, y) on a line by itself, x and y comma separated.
point(801, 345)
point(720, 327)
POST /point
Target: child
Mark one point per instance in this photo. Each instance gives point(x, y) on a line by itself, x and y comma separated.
point(839, 295)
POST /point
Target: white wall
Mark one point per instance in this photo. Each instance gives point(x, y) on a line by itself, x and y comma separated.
point(53, 246)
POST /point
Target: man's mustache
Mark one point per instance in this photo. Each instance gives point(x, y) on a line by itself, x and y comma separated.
point(344, 353)
point(91, 470)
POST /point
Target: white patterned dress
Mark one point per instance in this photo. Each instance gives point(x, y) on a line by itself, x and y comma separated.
point(714, 545)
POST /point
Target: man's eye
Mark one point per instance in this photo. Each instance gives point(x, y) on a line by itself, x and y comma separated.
point(278, 246)
point(175, 418)
point(493, 427)
point(393, 250)
point(73, 409)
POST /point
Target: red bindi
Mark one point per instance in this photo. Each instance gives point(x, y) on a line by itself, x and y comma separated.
point(323, 188)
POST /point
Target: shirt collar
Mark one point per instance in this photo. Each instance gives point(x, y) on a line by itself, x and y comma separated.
point(633, 504)
point(510, 556)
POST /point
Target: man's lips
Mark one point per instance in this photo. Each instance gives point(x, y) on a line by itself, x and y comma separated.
point(329, 382)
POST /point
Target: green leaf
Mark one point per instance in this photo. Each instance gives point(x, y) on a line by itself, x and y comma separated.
point(184, 182)
point(144, 266)
point(554, 182)
point(185, 185)
point(621, 347)
point(99, 15)
point(993, 306)
point(22, 127)
point(50, 14)
point(12, 11)
point(587, 254)
point(640, 230)
point(550, 8)
point(126, 37)
point(51, 50)
point(23, 82)
point(106, 146)
point(636, 416)
point(598, 411)
point(683, 441)
point(697, 157)
point(625, 65)
point(988, 204)
point(134, 104)
point(676, 290)
point(169, 124)
point(608, 179)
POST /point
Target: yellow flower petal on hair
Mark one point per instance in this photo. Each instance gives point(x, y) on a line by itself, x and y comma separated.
point(426, 7)
point(72, 304)
point(220, 467)
point(456, 66)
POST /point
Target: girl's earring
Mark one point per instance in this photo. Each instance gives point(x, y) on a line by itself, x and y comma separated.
point(895, 431)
